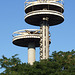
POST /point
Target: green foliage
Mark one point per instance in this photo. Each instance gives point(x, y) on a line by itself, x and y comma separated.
point(8, 63)
point(60, 63)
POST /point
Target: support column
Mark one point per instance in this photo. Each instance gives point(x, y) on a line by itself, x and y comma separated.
point(45, 39)
point(31, 53)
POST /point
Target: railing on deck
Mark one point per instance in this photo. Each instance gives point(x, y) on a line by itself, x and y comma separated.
point(26, 34)
point(29, 2)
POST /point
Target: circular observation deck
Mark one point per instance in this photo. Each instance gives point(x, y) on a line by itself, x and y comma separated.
point(37, 10)
point(56, 5)
point(24, 37)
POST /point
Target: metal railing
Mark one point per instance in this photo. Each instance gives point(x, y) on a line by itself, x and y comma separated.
point(42, 12)
point(26, 33)
point(39, 11)
point(30, 2)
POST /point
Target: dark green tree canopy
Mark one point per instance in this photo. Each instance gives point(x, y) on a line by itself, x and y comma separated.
point(59, 63)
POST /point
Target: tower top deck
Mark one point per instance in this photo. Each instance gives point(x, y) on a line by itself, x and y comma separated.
point(36, 10)
point(40, 4)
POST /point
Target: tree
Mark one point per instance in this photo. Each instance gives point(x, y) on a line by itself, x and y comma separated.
point(59, 63)
point(8, 63)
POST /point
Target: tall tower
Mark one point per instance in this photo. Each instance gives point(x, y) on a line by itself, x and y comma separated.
point(44, 13)
point(28, 38)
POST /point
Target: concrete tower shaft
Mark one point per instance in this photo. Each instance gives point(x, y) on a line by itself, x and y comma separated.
point(31, 53)
point(44, 39)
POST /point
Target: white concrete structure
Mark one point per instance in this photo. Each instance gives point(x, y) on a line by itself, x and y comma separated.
point(44, 13)
point(28, 38)
point(31, 53)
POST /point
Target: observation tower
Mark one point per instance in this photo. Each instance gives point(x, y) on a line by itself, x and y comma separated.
point(44, 13)
point(28, 38)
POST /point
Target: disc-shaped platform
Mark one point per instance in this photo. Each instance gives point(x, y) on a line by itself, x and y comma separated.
point(35, 17)
point(37, 5)
point(23, 42)
point(24, 37)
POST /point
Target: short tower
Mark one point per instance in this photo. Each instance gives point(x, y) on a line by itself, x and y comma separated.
point(28, 38)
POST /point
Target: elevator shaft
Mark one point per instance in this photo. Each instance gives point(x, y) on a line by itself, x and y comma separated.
point(44, 40)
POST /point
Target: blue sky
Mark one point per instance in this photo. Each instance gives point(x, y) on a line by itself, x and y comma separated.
point(12, 19)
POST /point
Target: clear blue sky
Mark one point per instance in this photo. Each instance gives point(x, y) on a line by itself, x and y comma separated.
point(12, 19)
